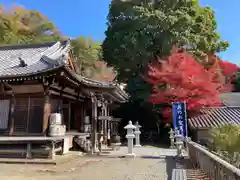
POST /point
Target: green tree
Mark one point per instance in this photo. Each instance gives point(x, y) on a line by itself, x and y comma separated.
point(21, 26)
point(226, 141)
point(87, 52)
point(138, 30)
point(237, 82)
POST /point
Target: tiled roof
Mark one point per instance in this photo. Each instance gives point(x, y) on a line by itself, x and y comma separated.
point(215, 117)
point(36, 57)
point(231, 99)
point(92, 83)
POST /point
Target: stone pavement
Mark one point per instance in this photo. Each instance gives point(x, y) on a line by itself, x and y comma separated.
point(144, 151)
point(149, 167)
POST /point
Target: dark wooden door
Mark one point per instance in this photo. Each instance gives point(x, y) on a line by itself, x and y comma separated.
point(21, 115)
point(4, 113)
point(35, 121)
point(28, 115)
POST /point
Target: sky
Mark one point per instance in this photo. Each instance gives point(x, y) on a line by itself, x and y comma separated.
point(88, 18)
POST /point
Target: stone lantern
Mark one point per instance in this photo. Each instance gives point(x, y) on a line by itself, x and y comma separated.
point(171, 137)
point(130, 136)
point(179, 143)
point(87, 126)
point(137, 133)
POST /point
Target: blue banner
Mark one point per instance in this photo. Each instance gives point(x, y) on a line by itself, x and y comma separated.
point(180, 118)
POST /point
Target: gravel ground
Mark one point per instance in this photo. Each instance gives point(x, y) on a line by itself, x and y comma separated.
point(91, 168)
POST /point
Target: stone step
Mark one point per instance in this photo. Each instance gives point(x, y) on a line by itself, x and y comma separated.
point(192, 173)
point(196, 174)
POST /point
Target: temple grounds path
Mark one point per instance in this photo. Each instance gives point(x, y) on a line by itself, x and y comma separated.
point(151, 163)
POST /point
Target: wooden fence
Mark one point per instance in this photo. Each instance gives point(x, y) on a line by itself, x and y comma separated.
point(215, 167)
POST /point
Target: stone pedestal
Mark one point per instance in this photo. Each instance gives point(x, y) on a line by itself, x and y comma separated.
point(179, 144)
point(137, 133)
point(130, 136)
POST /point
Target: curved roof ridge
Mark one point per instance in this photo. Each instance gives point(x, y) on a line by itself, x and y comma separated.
point(24, 46)
point(38, 56)
point(61, 54)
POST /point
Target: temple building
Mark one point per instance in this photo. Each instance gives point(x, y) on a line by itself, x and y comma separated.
point(37, 80)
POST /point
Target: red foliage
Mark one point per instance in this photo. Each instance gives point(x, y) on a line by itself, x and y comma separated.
point(226, 71)
point(229, 69)
point(181, 78)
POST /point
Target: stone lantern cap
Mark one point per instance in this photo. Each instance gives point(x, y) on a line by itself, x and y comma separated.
point(130, 126)
point(137, 125)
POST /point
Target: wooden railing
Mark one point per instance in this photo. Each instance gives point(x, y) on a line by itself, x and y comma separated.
point(215, 167)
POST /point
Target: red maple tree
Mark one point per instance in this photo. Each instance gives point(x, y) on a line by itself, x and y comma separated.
point(229, 69)
point(182, 78)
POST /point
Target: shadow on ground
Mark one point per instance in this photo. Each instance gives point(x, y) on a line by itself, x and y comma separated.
point(150, 143)
point(170, 165)
point(153, 157)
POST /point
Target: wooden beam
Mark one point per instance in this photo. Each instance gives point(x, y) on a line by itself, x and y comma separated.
point(2, 88)
point(108, 118)
point(24, 89)
point(68, 97)
point(69, 117)
point(28, 113)
point(67, 91)
point(70, 61)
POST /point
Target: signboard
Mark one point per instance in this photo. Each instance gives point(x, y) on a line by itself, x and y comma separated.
point(180, 118)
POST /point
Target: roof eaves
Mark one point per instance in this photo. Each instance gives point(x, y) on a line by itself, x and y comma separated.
point(122, 93)
point(115, 91)
point(215, 118)
point(88, 82)
point(29, 75)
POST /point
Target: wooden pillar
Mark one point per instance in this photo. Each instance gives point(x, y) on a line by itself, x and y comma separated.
point(105, 128)
point(12, 110)
point(82, 110)
point(94, 125)
point(46, 109)
point(28, 113)
point(69, 116)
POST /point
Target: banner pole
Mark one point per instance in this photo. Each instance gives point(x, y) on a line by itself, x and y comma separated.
point(186, 123)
